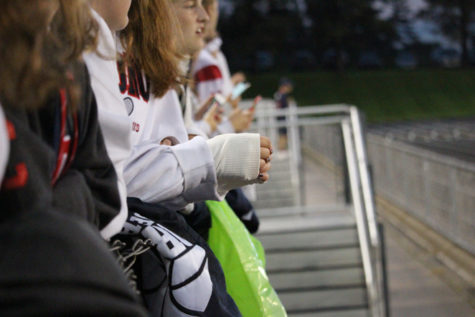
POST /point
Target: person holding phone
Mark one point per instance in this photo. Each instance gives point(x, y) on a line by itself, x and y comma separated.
point(210, 69)
point(211, 75)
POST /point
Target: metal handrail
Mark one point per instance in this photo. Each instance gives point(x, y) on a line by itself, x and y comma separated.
point(360, 183)
point(365, 245)
point(364, 175)
point(375, 287)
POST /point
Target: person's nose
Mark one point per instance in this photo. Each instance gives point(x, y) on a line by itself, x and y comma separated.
point(202, 15)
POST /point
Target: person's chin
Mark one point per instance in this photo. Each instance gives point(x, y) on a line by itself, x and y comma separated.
point(123, 25)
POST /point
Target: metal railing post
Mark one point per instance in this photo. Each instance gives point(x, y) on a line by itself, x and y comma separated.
point(370, 213)
point(294, 148)
point(364, 175)
point(360, 217)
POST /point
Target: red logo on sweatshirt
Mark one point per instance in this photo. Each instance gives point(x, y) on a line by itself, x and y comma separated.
point(132, 82)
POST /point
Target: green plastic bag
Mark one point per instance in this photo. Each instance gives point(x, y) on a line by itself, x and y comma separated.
point(243, 261)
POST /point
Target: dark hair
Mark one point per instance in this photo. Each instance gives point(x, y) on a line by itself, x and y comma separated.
point(285, 81)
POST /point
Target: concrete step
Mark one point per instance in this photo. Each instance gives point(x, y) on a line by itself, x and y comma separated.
point(314, 261)
point(294, 261)
point(273, 192)
point(310, 238)
point(280, 167)
point(289, 222)
point(280, 162)
point(274, 203)
point(275, 184)
point(335, 313)
point(321, 300)
point(269, 197)
point(352, 276)
point(323, 210)
point(283, 169)
point(276, 180)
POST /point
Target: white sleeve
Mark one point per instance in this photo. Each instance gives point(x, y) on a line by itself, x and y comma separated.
point(237, 160)
point(4, 145)
point(174, 176)
point(206, 88)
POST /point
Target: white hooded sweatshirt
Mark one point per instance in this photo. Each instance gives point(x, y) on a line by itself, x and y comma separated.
point(175, 175)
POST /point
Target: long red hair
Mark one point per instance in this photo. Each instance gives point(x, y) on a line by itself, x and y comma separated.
point(149, 43)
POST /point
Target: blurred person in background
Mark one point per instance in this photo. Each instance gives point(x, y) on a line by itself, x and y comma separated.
point(281, 98)
point(211, 75)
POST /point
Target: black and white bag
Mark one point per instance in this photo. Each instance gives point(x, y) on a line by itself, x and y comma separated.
point(179, 275)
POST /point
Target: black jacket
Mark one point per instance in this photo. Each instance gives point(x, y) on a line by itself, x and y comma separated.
point(58, 158)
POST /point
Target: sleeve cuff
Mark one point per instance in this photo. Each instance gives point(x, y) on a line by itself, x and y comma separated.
point(237, 158)
point(197, 164)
